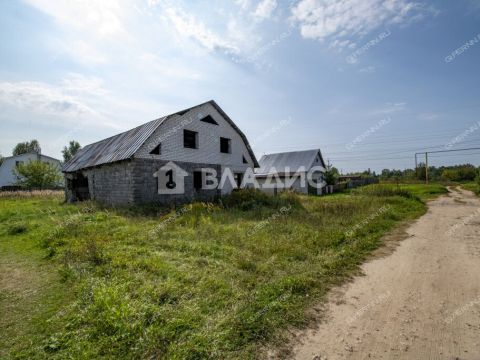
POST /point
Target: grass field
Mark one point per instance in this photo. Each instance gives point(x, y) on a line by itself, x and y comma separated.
point(475, 187)
point(217, 281)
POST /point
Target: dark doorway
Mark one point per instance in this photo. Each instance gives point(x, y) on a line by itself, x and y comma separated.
point(197, 180)
point(80, 188)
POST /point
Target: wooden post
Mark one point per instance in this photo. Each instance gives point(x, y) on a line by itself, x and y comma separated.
point(426, 168)
point(416, 166)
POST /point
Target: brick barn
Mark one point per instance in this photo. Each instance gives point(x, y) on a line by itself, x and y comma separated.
point(122, 169)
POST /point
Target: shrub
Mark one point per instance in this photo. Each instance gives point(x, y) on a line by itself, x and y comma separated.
point(37, 174)
point(383, 191)
point(249, 199)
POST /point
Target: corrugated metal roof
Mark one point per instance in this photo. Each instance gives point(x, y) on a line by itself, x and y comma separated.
point(115, 148)
point(124, 145)
point(287, 162)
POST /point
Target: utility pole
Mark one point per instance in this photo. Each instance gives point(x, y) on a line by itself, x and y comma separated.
point(426, 168)
point(437, 152)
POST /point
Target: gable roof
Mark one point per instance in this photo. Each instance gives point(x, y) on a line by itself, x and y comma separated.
point(31, 153)
point(123, 146)
point(292, 160)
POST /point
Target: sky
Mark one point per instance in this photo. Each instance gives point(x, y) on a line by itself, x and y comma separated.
point(369, 82)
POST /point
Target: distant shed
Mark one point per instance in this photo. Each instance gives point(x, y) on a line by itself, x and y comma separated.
point(286, 164)
point(8, 179)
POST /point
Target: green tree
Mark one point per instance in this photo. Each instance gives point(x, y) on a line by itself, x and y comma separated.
point(37, 174)
point(331, 175)
point(460, 173)
point(27, 147)
point(71, 150)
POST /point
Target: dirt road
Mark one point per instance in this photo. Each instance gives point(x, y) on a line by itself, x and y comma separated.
point(420, 302)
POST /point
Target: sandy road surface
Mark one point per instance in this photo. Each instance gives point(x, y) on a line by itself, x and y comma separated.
point(420, 302)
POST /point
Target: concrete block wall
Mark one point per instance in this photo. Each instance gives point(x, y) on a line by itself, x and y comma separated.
point(111, 183)
point(145, 185)
point(132, 182)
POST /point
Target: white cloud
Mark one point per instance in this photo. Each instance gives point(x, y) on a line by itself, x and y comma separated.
point(101, 17)
point(342, 44)
point(88, 27)
point(85, 53)
point(167, 67)
point(43, 99)
point(244, 4)
point(389, 108)
point(77, 100)
point(428, 116)
point(265, 9)
point(337, 20)
point(75, 83)
point(367, 70)
point(188, 26)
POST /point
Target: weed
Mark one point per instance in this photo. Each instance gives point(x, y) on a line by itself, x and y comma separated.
point(206, 285)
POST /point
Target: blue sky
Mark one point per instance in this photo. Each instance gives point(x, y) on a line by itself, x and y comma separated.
point(368, 81)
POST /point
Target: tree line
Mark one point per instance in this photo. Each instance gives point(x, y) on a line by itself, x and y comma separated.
point(457, 173)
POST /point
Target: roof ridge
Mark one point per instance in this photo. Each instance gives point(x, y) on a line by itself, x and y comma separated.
point(124, 145)
point(291, 152)
point(30, 152)
point(151, 121)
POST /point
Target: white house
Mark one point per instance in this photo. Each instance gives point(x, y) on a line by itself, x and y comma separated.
point(275, 169)
point(126, 168)
point(7, 177)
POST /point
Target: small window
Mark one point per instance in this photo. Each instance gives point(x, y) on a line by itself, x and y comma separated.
point(225, 145)
point(157, 150)
point(197, 180)
point(209, 119)
point(190, 139)
point(18, 163)
point(244, 160)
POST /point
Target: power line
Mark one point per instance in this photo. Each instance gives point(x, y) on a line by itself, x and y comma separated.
point(396, 158)
point(438, 152)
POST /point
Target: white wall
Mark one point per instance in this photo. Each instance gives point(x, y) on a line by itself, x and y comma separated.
point(170, 135)
point(7, 178)
point(296, 186)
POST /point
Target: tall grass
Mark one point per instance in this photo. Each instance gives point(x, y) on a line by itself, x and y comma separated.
point(211, 282)
point(409, 191)
point(474, 187)
point(383, 190)
point(30, 194)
